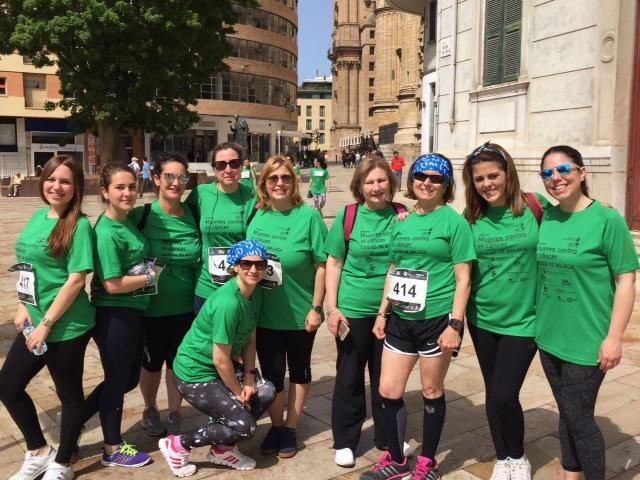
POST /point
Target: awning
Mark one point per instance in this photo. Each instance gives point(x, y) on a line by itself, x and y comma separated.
point(45, 125)
point(293, 133)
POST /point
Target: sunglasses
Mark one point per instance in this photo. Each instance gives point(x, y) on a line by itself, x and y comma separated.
point(435, 178)
point(563, 170)
point(247, 264)
point(485, 148)
point(221, 165)
point(273, 179)
point(170, 178)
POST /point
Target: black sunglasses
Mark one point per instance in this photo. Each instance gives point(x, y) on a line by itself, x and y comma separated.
point(221, 165)
point(435, 178)
point(247, 264)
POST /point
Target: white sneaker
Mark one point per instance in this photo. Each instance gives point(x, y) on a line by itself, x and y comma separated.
point(231, 458)
point(520, 468)
point(56, 471)
point(178, 462)
point(344, 457)
point(501, 470)
point(33, 465)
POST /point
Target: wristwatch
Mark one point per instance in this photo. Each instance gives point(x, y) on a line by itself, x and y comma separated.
point(316, 308)
point(456, 324)
point(46, 321)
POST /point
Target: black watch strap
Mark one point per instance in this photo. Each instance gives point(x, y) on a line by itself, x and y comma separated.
point(456, 324)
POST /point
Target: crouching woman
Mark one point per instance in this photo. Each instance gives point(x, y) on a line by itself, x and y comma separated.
point(205, 371)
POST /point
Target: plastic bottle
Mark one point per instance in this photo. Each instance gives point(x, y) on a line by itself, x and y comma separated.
point(27, 328)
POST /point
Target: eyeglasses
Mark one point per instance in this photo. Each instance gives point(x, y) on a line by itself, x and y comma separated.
point(485, 147)
point(247, 264)
point(171, 177)
point(221, 165)
point(563, 170)
point(273, 179)
point(435, 178)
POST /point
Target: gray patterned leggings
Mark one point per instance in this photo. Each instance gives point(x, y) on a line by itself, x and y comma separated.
point(575, 388)
point(231, 421)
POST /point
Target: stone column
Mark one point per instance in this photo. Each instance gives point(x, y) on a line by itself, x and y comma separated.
point(409, 81)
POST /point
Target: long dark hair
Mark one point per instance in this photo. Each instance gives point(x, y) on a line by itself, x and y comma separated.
point(61, 236)
point(575, 156)
point(476, 205)
point(109, 171)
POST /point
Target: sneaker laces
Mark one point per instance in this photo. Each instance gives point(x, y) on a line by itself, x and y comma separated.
point(385, 461)
point(422, 468)
point(128, 449)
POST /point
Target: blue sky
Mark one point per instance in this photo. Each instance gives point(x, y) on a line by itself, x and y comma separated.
point(314, 38)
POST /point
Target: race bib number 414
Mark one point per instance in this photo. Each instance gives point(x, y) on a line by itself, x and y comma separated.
point(408, 289)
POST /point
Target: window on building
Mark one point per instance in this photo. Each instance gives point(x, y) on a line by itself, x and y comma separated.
point(321, 127)
point(372, 50)
point(8, 137)
point(3, 86)
point(299, 108)
point(503, 24)
point(321, 138)
point(371, 80)
point(433, 17)
point(35, 82)
point(308, 124)
point(372, 33)
point(371, 66)
point(371, 112)
point(371, 97)
point(309, 110)
point(322, 110)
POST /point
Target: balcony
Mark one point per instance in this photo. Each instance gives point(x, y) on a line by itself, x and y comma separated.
point(35, 98)
point(409, 6)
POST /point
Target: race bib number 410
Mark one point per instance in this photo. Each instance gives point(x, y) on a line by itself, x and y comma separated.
point(408, 289)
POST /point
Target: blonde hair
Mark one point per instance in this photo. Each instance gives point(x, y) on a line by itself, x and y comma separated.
point(273, 164)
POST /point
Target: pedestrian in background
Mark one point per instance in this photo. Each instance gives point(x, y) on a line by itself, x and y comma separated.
point(397, 164)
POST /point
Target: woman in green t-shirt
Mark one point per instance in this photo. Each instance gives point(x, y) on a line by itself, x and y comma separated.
point(586, 289)
point(354, 266)
point(120, 292)
point(248, 174)
point(208, 376)
point(319, 178)
point(55, 253)
point(172, 234)
point(501, 309)
point(222, 210)
point(426, 290)
point(291, 309)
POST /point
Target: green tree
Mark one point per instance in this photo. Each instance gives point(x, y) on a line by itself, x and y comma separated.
point(123, 63)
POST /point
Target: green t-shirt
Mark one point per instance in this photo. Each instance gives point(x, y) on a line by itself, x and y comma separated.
point(226, 318)
point(175, 241)
point(222, 220)
point(246, 177)
point(319, 177)
point(504, 278)
point(365, 268)
point(432, 243)
point(296, 237)
point(119, 246)
point(579, 255)
point(52, 273)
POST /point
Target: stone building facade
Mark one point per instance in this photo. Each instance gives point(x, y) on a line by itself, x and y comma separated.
point(376, 57)
point(314, 112)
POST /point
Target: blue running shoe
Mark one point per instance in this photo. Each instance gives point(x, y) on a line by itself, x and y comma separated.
point(126, 456)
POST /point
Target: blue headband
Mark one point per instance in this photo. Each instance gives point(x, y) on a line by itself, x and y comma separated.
point(245, 248)
point(433, 162)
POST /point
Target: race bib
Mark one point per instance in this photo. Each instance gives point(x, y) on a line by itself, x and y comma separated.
point(318, 174)
point(408, 289)
point(218, 264)
point(26, 284)
point(245, 174)
point(157, 266)
point(272, 277)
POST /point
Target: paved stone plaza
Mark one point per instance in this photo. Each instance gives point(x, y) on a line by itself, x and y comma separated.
point(465, 450)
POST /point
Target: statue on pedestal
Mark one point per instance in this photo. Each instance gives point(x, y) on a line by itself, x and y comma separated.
point(240, 131)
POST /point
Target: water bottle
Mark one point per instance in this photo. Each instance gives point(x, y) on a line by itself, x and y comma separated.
point(27, 328)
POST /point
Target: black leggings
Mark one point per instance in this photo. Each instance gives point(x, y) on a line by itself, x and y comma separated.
point(504, 361)
point(65, 362)
point(232, 421)
point(162, 337)
point(349, 406)
point(575, 388)
point(118, 334)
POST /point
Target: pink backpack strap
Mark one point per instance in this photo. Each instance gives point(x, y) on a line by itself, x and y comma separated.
point(349, 220)
point(534, 206)
point(398, 207)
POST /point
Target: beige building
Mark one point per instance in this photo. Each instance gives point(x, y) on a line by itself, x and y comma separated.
point(376, 59)
point(30, 135)
point(314, 112)
point(260, 86)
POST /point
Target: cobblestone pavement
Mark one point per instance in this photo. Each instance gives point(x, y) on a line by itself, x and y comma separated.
point(465, 451)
